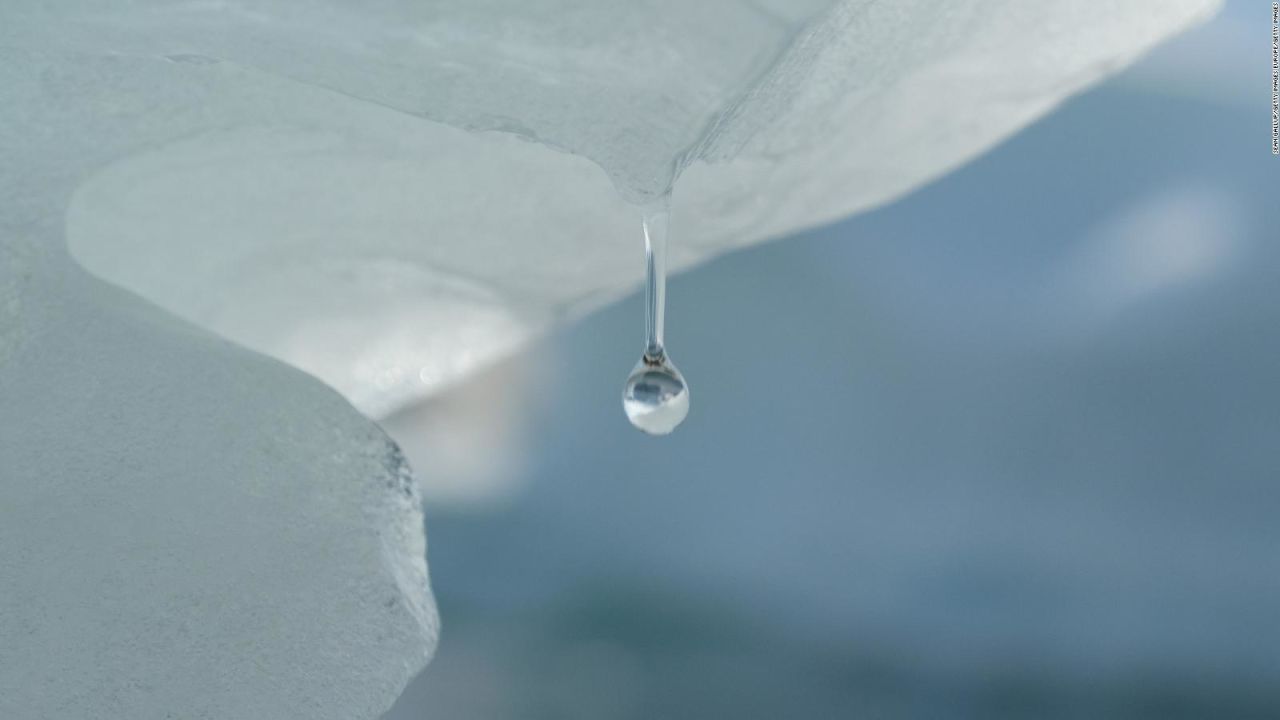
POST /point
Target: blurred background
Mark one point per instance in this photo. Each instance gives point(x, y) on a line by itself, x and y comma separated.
point(1004, 448)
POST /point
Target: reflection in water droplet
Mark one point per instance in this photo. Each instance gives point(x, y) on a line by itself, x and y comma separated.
point(656, 397)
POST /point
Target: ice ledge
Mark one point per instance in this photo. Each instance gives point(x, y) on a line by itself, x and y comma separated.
point(390, 254)
point(190, 530)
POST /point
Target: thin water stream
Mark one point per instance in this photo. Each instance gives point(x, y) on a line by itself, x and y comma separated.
point(656, 397)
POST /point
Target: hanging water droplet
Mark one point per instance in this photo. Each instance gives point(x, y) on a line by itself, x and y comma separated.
point(656, 397)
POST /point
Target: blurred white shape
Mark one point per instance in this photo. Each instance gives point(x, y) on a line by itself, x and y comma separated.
point(470, 440)
point(1169, 240)
point(427, 331)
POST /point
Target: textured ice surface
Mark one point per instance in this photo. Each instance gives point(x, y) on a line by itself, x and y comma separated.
point(187, 529)
point(349, 186)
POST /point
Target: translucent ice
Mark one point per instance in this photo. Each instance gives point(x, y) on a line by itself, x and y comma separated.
point(361, 199)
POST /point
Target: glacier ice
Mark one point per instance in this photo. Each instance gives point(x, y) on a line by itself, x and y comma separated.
point(386, 195)
point(188, 529)
point(389, 196)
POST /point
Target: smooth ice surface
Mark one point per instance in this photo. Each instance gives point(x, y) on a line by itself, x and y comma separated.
point(351, 187)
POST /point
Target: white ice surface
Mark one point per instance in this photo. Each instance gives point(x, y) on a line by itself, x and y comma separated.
point(188, 528)
point(377, 215)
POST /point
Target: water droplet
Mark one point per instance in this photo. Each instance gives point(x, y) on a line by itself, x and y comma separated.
point(656, 397)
